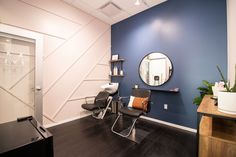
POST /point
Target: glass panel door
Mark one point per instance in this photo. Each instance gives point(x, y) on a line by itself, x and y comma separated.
point(17, 77)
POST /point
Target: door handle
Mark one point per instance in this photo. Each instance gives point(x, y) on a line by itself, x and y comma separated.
point(38, 88)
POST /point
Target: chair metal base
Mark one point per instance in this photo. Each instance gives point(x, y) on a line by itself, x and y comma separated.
point(120, 133)
point(99, 114)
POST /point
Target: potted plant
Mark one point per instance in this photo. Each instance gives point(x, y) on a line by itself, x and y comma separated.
point(205, 89)
point(227, 99)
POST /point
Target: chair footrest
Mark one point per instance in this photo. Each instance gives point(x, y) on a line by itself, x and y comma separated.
point(126, 132)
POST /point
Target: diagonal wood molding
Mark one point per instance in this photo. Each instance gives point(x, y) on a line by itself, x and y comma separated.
point(68, 39)
point(20, 79)
point(73, 63)
point(44, 17)
point(8, 92)
point(49, 118)
point(63, 17)
point(73, 91)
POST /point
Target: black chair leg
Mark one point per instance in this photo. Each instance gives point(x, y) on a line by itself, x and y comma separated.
point(99, 114)
point(130, 130)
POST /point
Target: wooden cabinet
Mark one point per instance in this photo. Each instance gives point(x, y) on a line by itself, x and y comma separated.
point(217, 131)
point(217, 137)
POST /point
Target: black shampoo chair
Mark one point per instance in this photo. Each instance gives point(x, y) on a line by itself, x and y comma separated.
point(100, 104)
point(140, 106)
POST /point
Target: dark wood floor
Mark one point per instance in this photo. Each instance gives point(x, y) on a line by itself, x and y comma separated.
point(88, 137)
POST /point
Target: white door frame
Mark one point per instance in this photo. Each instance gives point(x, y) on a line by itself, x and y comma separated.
point(38, 38)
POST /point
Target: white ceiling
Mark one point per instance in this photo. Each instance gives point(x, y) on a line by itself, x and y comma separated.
point(112, 11)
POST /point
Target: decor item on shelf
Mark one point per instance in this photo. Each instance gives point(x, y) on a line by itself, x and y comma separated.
point(139, 2)
point(205, 89)
point(227, 99)
point(121, 72)
point(174, 90)
point(116, 66)
point(115, 70)
point(114, 57)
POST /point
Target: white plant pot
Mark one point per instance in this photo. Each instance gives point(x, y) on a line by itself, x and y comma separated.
point(227, 102)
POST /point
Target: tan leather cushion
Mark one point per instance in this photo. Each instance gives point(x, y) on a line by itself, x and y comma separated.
point(140, 103)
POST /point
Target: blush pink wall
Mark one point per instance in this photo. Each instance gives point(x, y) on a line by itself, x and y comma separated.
point(76, 53)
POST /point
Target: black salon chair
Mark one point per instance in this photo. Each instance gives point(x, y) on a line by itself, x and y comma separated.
point(99, 106)
point(139, 105)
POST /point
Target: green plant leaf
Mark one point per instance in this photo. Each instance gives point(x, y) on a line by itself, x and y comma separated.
point(233, 89)
point(223, 78)
point(203, 89)
point(206, 88)
point(197, 100)
point(206, 83)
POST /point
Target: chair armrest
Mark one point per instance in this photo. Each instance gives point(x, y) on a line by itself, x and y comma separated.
point(121, 100)
point(101, 99)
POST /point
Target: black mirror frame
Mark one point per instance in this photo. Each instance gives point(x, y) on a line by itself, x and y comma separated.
point(172, 70)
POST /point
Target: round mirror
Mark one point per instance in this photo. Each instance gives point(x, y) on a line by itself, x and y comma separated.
point(155, 69)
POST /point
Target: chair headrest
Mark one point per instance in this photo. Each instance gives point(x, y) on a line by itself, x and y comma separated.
point(102, 94)
point(143, 93)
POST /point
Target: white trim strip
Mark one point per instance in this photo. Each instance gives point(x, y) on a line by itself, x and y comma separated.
point(170, 124)
point(96, 80)
point(103, 64)
point(48, 118)
point(65, 121)
point(68, 39)
point(33, 5)
point(75, 89)
point(22, 101)
point(24, 76)
point(75, 99)
point(34, 31)
point(143, 117)
point(47, 89)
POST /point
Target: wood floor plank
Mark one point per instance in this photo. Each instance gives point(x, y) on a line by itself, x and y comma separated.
point(89, 137)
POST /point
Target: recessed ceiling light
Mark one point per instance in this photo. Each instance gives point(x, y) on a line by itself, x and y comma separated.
point(137, 2)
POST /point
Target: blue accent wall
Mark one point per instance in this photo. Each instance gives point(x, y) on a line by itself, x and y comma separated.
point(192, 33)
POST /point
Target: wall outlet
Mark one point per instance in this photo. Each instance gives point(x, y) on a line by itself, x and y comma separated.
point(165, 106)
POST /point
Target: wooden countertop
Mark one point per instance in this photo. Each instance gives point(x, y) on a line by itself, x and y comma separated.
point(208, 108)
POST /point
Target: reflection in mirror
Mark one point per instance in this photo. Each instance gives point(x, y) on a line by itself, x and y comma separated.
point(155, 69)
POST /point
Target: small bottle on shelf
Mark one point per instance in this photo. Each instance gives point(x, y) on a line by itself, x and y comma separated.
point(121, 72)
point(115, 70)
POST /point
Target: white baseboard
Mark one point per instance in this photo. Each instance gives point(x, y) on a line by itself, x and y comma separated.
point(65, 121)
point(170, 124)
point(143, 117)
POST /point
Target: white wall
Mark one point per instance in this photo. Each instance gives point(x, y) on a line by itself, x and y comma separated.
point(76, 52)
point(231, 22)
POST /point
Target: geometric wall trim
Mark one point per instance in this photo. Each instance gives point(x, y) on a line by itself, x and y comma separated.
point(76, 47)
